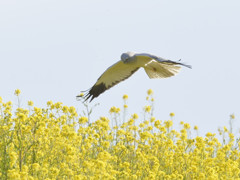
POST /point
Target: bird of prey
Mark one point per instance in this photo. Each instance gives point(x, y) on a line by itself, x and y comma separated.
point(154, 66)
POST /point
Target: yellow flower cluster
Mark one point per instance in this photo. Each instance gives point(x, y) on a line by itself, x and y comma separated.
point(150, 95)
point(114, 110)
point(57, 143)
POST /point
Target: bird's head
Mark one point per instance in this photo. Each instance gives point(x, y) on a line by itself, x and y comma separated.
point(126, 56)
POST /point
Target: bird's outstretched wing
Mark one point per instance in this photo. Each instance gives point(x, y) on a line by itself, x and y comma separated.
point(159, 67)
point(154, 69)
point(113, 75)
point(162, 60)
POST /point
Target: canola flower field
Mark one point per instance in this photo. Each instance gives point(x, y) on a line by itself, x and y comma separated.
point(57, 143)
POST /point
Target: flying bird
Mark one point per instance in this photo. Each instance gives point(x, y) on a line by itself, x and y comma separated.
point(154, 66)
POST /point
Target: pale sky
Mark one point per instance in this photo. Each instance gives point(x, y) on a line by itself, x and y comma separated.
point(53, 49)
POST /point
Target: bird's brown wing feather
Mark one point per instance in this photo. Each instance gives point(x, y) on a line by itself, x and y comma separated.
point(113, 75)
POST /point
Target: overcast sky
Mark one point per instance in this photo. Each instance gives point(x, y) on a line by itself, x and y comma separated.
point(52, 49)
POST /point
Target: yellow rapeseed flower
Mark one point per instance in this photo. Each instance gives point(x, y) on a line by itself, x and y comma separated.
point(195, 127)
point(209, 134)
point(125, 96)
point(152, 119)
point(172, 114)
point(35, 167)
point(50, 144)
point(150, 92)
point(49, 103)
point(135, 116)
point(114, 110)
point(83, 120)
point(168, 123)
point(231, 136)
point(225, 129)
point(147, 108)
point(30, 103)
point(118, 110)
point(58, 105)
point(146, 122)
point(232, 116)
point(187, 126)
point(141, 125)
point(157, 123)
point(130, 121)
point(65, 109)
point(17, 92)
